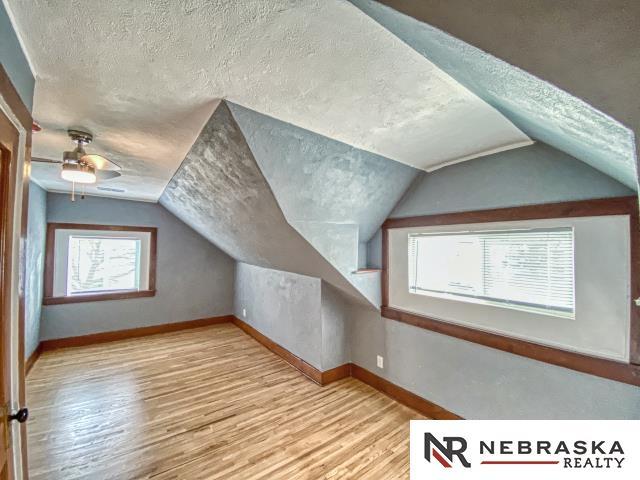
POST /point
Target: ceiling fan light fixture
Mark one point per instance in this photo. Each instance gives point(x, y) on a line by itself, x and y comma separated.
point(78, 173)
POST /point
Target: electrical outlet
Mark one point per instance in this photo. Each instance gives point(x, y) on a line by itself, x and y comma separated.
point(244, 312)
point(380, 361)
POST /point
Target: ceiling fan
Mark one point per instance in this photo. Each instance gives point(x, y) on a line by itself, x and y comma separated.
point(81, 167)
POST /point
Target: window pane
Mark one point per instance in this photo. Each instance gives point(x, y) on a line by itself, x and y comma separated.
point(103, 264)
point(520, 267)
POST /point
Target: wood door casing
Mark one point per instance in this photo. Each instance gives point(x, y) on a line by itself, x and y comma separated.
point(15, 134)
point(9, 142)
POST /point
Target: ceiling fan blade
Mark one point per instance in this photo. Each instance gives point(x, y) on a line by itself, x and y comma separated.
point(100, 162)
point(103, 175)
point(45, 160)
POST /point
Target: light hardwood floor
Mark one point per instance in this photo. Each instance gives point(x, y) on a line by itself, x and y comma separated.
point(208, 403)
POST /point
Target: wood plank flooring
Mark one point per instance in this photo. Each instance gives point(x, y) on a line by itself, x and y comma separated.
point(208, 403)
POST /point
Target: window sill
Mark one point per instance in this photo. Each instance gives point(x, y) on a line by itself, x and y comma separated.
point(491, 303)
point(600, 367)
point(98, 297)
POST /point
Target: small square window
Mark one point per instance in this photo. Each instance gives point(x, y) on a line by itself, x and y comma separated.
point(88, 263)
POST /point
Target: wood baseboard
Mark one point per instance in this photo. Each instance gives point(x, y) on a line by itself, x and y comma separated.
point(392, 390)
point(399, 394)
point(335, 374)
point(296, 362)
point(405, 397)
point(103, 337)
point(33, 358)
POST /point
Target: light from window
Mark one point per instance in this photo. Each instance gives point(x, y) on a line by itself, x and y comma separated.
point(525, 269)
point(103, 264)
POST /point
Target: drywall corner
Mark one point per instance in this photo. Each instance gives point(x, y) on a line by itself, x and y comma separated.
point(335, 328)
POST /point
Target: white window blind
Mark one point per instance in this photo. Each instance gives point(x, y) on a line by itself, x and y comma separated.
point(524, 268)
point(103, 264)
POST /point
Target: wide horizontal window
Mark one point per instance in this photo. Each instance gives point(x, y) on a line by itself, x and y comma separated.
point(560, 282)
point(525, 269)
point(99, 262)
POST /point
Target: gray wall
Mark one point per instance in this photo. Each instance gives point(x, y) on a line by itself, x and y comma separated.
point(283, 306)
point(300, 313)
point(336, 348)
point(194, 278)
point(14, 61)
point(466, 378)
point(477, 382)
point(36, 237)
point(524, 176)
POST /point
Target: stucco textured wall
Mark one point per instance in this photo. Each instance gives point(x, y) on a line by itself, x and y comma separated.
point(318, 179)
point(283, 306)
point(194, 278)
point(336, 348)
point(34, 266)
point(300, 313)
point(335, 195)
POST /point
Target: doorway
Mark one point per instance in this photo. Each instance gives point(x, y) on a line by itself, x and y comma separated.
point(14, 137)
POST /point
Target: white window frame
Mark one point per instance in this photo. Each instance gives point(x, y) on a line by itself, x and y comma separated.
point(61, 252)
point(497, 302)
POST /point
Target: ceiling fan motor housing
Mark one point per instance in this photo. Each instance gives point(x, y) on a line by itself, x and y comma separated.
point(80, 137)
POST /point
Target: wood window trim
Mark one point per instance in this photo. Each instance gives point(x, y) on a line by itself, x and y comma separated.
point(622, 372)
point(49, 299)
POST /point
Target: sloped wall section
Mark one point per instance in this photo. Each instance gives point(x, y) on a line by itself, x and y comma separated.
point(540, 109)
point(220, 191)
point(318, 179)
point(336, 196)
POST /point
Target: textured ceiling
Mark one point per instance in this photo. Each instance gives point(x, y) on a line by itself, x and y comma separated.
point(143, 76)
point(540, 109)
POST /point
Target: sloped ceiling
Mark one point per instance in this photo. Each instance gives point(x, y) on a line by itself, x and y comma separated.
point(219, 191)
point(142, 77)
point(334, 195)
point(542, 110)
point(319, 180)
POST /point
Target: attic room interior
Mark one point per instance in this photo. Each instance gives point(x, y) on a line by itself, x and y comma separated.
point(255, 240)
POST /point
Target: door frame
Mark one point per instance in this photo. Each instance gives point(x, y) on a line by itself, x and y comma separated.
point(12, 106)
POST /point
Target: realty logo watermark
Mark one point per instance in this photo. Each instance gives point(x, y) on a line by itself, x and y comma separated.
point(528, 449)
point(455, 447)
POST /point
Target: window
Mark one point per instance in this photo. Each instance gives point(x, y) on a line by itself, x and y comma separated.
point(524, 269)
point(562, 282)
point(99, 262)
point(103, 264)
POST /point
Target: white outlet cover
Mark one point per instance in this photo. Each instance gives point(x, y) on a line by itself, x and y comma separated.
point(244, 312)
point(380, 361)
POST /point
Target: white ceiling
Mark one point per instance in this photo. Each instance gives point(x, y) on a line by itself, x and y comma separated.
point(144, 77)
